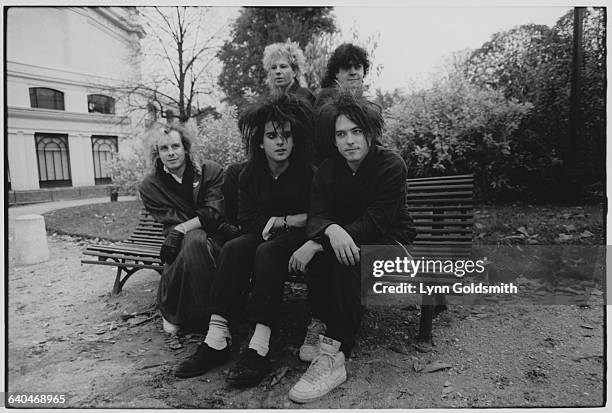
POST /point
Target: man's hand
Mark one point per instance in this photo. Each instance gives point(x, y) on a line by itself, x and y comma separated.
point(302, 256)
point(343, 245)
point(171, 246)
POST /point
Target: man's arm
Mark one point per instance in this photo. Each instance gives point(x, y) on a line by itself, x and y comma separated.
point(321, 226)
point(210, 203)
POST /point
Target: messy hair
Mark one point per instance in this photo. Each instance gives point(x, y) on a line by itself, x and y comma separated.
point(158, 130)
point(365, 114)
point(279, 109)
point(288, 50)
point(345, 56)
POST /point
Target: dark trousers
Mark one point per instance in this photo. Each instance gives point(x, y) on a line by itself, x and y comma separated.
point(267, 262)
point(334, 296)
point(184, 287)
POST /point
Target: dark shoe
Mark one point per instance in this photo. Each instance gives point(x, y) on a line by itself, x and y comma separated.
point(204, 359)
point(249, 370)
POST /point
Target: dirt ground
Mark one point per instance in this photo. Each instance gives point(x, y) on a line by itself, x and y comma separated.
point(66, 334)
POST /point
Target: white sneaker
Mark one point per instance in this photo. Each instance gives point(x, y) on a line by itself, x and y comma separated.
point(310, 348)
point(169, 327)
point(326, 372)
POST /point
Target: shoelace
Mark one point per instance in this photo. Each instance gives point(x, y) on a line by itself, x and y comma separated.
point(312, 334)
point(319, 368)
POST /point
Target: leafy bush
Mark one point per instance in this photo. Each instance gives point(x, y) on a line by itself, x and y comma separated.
point(455, 127)
point(219, 139)
point(128, 171)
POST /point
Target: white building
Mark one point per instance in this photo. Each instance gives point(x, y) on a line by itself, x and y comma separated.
point(60, 125)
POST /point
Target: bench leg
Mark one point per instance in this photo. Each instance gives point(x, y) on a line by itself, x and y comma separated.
point(426, 321)
point(431, 306)
point(118, 283)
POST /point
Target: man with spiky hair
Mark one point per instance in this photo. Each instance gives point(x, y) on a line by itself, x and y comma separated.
point(273, 200)
point(358, 197)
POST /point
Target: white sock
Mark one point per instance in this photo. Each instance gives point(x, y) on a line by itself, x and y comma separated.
point(217, 332)
point(261, 339)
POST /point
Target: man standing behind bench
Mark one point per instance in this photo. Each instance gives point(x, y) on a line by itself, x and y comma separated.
point(358, 197)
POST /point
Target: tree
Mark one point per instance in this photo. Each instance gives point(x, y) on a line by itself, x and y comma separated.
point(178, 59)
point(532, 63)
point(256, 27)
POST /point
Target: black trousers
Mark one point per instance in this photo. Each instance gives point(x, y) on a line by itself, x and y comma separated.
point(334, 296)
point(267, 262)
point(184, 287)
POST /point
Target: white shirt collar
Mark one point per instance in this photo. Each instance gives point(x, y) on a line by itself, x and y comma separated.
point(178, 179)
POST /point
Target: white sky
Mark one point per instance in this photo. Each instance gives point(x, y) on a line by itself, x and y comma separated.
point(415, 40)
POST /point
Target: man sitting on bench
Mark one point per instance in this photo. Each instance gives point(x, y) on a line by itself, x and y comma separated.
point(358, 197)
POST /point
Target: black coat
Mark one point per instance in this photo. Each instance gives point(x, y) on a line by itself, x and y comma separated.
point(370, 204)
point(170, 206)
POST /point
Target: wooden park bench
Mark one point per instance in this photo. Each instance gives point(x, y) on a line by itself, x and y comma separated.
point(442, 209)
point(140, 250)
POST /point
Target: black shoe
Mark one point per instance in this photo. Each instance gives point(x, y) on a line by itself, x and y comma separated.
point(249, 370)
point(205, 358)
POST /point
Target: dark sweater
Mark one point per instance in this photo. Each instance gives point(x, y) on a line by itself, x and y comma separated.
point(262, 197)
point(370, 204)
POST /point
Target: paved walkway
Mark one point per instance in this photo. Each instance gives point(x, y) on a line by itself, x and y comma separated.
point(41, 208)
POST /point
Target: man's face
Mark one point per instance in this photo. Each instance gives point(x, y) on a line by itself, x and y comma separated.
point(351, 77)
point(351, 142)
point(281, 72)
point(171, 151)
point(277, 142)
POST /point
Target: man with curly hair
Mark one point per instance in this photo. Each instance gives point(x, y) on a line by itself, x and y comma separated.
point(347, 67)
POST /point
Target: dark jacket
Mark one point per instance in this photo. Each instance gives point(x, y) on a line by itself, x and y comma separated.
point(370, 205)
point(302, 92)
point(169, 204)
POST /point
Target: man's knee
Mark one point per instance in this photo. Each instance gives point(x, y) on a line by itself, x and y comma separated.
point(267, 251)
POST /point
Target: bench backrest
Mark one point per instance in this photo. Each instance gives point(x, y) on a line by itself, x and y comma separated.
point(148, 231)
point(442, 209)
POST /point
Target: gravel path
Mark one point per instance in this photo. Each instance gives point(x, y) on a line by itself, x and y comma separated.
point(67, 333)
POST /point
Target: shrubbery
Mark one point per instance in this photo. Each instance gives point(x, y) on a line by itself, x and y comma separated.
point(455, 127)
point(219, 139)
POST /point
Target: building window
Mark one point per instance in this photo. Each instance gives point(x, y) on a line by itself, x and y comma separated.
point(53, 160)
point(104, 149)
point(101, 104)
point(45, 98)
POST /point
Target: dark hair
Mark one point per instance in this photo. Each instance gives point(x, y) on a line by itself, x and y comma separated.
point(277, 109)
point(365, 114)
point(345, 56)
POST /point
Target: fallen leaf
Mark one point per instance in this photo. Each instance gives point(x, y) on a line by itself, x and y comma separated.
point(417, 366)
point(586, 234)
point(523, 230)
point(435, 366)
point(399, 349)
point(447, 390)
point(570, 227)
point(563, 238)
point(278, 376)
